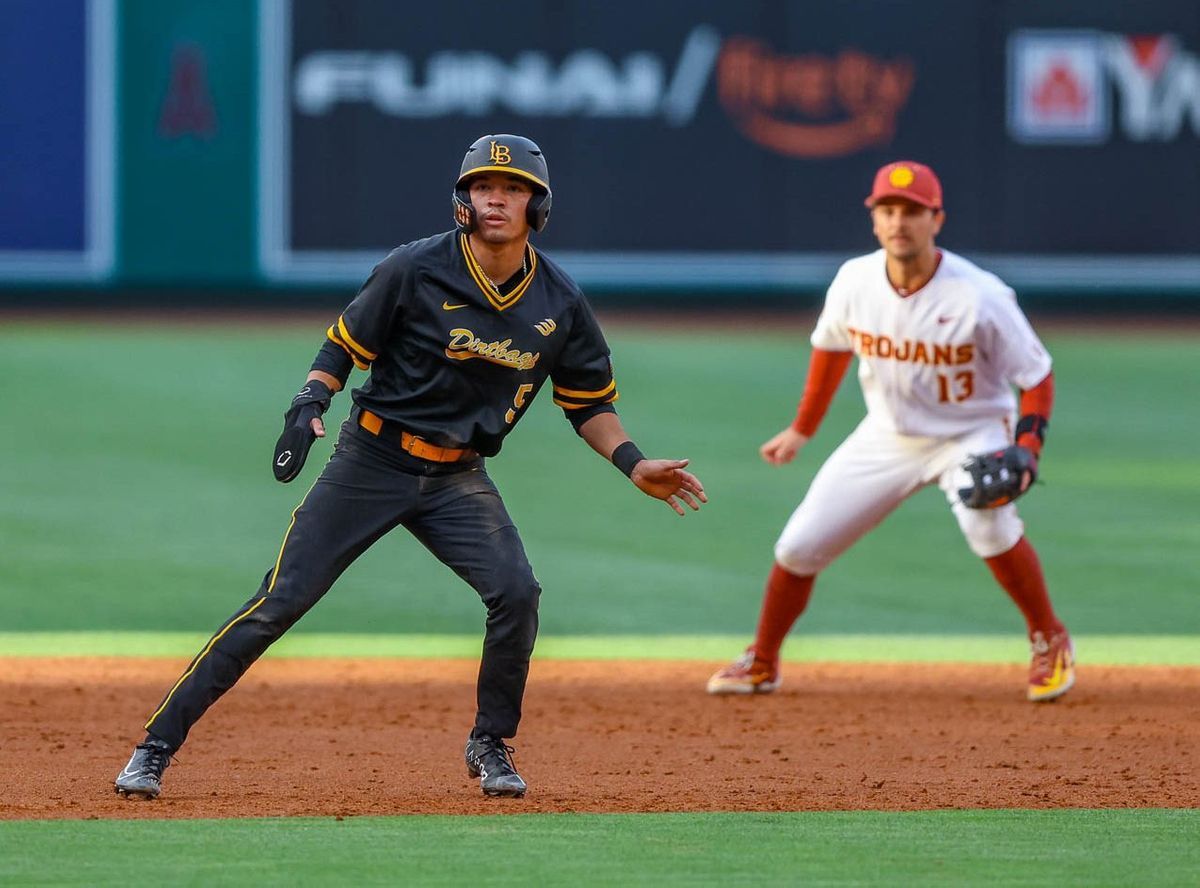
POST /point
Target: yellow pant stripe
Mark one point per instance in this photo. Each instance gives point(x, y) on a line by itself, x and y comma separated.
point(291, 524)
point(212, 641)
point(196, 662)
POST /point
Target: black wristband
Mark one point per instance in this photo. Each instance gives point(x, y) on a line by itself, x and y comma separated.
point(626, 456)
point(1032, 423)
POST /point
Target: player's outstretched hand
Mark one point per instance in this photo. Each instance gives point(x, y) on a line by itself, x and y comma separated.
point(783, 447)
point(665, 479)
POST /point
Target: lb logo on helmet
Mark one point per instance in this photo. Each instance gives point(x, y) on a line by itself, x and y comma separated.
point(513, 156)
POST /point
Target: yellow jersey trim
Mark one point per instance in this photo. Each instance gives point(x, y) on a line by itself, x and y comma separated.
point(349, 340)
point(336, 339)
point(573, 393)
point(498, 301)
point(571, 405)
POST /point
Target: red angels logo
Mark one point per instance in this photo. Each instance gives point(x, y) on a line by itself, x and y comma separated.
point(188, 107)
point(1060, 94)
point(812, 105)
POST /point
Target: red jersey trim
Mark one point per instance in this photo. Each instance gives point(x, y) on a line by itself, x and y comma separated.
point(937, 265)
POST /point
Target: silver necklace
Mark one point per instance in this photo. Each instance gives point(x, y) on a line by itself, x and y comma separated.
point(524, 271)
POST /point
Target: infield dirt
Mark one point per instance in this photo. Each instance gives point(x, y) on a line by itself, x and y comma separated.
point(372, 737)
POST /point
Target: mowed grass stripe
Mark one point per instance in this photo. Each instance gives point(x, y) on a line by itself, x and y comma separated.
point(1115, 650)
point(1072, 847)
point(155, 511)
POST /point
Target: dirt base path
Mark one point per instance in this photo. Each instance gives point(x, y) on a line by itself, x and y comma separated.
point(352, 737)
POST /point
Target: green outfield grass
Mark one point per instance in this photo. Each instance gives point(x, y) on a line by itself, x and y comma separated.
point(136, 494)
point(1055, 848)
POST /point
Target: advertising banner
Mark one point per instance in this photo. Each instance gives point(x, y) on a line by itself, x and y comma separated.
point(56, 139)
point(719, 145)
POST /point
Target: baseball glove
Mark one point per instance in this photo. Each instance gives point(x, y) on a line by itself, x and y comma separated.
point(291, 450)
point(998, 478)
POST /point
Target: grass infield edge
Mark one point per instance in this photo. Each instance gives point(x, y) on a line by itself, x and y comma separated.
point(1114, 650)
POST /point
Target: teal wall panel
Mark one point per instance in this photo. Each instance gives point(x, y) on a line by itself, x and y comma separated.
point(187, 141)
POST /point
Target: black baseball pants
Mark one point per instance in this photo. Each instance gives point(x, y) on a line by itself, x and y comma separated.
point(368, 487)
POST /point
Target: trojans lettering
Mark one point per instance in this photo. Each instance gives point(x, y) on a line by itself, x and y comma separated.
point(465, 345)
point(870, 345)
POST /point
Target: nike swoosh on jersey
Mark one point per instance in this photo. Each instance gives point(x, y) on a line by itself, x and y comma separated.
point(446, 306)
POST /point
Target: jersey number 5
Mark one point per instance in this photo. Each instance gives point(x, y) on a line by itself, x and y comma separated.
point(958, 389)
point(518, 403)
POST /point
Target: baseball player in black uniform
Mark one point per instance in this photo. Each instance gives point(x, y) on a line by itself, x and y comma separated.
point(459, 332)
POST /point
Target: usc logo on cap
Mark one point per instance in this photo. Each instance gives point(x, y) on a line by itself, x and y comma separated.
point(500, 154)
point(909, 180)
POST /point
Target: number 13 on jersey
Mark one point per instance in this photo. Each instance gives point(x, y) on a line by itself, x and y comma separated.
point(956, 388)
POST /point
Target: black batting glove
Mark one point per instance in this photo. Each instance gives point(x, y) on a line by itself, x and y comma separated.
point(291, 450)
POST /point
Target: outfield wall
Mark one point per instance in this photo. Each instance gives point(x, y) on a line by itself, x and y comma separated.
point(282, 147)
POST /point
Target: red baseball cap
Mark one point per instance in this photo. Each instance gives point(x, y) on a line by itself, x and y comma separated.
point(909, 180)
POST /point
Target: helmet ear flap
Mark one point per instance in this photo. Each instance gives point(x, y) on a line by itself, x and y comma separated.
point(464, 212)
point(537, 211)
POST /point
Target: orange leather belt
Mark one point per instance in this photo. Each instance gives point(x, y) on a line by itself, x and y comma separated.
point(412, 444)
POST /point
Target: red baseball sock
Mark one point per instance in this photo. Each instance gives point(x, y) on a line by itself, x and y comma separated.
point(784, 601)
point(1020, 573)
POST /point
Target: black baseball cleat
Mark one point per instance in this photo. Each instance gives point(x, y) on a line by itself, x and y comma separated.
point(142, 777)
point(490, 760)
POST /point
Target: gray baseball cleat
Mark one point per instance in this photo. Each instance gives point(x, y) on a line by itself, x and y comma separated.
point(142, 777)
point(489, 759)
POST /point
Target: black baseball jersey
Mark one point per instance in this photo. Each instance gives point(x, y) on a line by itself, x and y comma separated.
point(457, 360)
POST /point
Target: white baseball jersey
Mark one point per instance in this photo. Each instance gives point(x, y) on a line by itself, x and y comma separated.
point(940, 361)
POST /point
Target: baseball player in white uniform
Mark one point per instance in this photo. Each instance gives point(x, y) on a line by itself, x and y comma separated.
point(940, 346)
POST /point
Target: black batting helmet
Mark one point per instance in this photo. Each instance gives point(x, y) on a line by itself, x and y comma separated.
point(510, 154)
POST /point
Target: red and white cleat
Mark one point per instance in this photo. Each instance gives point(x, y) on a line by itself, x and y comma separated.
point(746, 675)
point(1052, 670)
